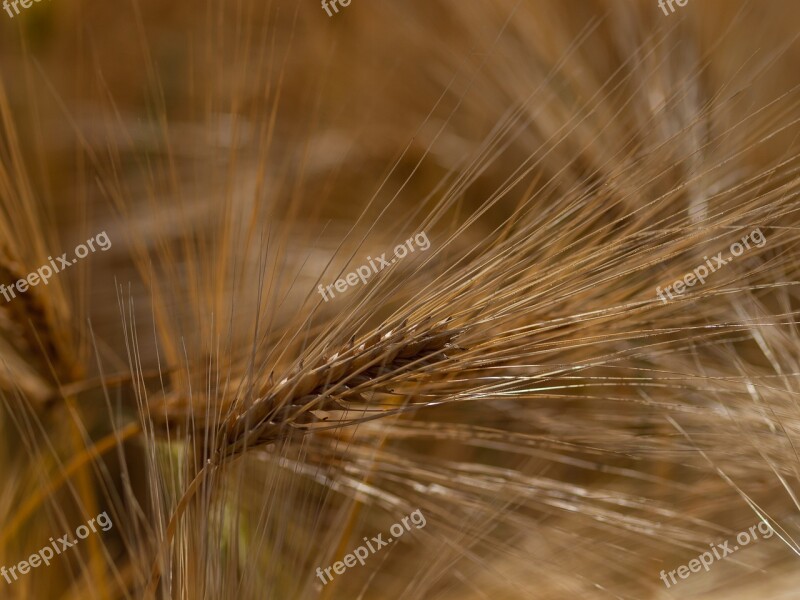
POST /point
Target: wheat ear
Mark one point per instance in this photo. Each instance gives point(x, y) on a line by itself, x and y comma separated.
point(338, 381)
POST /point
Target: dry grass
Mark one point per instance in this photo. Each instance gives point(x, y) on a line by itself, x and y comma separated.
point(565, 433)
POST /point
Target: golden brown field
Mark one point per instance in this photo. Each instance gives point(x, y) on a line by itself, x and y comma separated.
point(232, 379)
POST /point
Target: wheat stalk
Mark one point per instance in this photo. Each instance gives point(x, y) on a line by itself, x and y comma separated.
point(336, 382)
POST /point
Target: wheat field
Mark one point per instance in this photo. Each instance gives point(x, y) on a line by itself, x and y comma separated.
point(220, 378)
